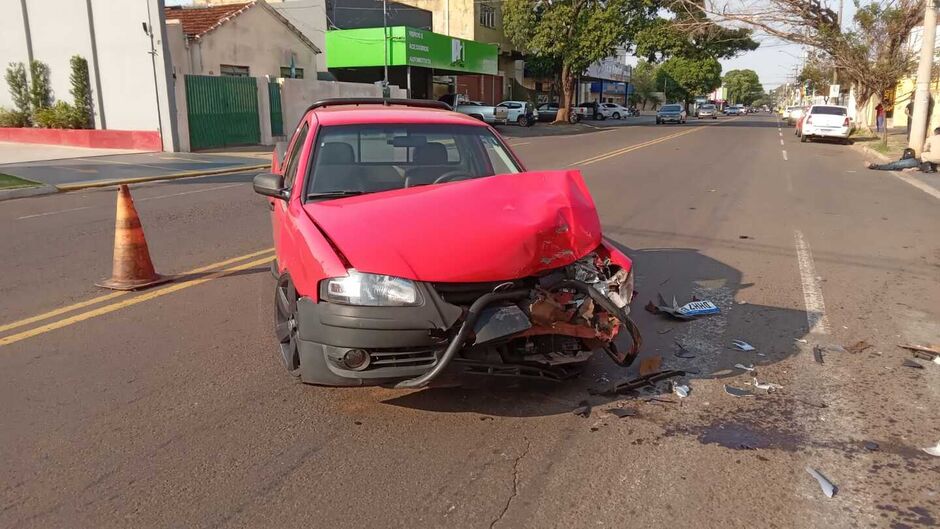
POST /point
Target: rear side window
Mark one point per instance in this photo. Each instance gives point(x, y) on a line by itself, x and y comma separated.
point(832, 111)
point(290, 174)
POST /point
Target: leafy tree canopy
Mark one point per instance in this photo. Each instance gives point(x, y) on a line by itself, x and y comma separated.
point(743, 86)
point(690, 33)
point(685, 78)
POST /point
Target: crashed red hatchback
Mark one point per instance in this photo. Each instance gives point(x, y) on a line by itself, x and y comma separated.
point(410, 238)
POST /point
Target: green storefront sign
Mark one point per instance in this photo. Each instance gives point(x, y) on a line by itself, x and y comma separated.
point(357, 48)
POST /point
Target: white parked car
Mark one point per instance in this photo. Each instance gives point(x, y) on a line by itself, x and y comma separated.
point(522, 113)
point(826, 121)
point(614, 110)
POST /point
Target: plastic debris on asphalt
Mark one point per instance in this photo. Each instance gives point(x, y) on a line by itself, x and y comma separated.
point(620, 413)
point(818, 354)
point(738, 392)
point(634, 384)
point(769, 386)
point(871, 446)
point(744, 367)
point(827, 487)
point(583, 409)
point(682, 352)
point(910, 363)
point(681, 390)
point(933, 450)
point(741, 345)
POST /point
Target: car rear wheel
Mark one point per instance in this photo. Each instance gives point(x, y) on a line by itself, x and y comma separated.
point(804, 138)
point(285, 323)
point(523, 121)
point(616, 115)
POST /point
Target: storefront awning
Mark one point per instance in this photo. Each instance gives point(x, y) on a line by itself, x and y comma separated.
point(362, 48)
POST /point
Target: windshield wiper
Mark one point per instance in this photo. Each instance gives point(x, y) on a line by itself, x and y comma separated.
point(335, 194)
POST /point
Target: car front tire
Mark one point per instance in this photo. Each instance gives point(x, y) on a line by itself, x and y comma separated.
point(285, 324)
point(804, 138)
point(616, 115)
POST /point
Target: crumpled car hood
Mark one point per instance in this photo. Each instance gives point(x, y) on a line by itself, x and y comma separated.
point(487, 229)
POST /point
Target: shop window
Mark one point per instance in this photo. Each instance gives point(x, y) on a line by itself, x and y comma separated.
point(487, 15)
point(298, 73)
point(232, 70)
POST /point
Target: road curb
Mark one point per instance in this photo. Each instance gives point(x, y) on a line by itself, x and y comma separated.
point(174, 176)
point(870, 152)
point(22, 192)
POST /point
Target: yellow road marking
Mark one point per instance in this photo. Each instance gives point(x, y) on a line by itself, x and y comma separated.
point(106, 297)
point(624, 150)
point(13, 338)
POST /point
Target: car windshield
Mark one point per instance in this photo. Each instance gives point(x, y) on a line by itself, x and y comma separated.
point(832, 111)
point(671, 108)
point(353, 159)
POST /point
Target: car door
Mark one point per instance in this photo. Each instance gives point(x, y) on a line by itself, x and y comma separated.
point(280, 216)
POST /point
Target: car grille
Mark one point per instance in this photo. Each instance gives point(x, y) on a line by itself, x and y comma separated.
point(405, 357)
point(467, 293)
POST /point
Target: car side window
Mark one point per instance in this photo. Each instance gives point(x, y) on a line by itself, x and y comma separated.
point(290, 174)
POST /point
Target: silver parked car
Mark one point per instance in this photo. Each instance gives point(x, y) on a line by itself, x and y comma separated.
point(615, 111)
point(707, 110)
point(494, 115)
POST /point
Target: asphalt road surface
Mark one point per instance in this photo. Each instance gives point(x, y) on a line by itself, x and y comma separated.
point(170, 408)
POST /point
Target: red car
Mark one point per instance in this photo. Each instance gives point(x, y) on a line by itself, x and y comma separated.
point(410, 238)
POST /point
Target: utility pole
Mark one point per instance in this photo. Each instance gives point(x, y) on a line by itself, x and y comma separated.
point(835, 71)
point(385, 90)
point(919, 118)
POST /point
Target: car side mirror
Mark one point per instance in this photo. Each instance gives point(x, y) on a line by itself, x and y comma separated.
point(270, 185)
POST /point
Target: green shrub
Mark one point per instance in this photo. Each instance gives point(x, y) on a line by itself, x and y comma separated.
point(13, 118)
point(19, 89)
point(40, 93)
point(59, 116)
point(81, 90)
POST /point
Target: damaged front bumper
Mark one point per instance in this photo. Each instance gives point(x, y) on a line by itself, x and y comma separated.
point(576, 306)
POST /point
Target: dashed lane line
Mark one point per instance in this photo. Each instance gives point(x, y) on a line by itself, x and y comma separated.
point(785, 155)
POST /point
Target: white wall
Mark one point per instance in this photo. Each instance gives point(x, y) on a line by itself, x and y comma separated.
point(298, 94)
point(59, 29)
point(256, 39)
point(12, 44)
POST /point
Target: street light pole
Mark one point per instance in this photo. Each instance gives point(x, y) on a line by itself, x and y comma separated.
point(919, 118)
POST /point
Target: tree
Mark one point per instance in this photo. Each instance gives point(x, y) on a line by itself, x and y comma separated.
point(684, 77)
point(81, 92)
point(40, 93)
point(817, 75)
point(743, 86)
point(19, 92)
point(872, 53)
point(644, 84)
point(576, 32)
point(690, 34)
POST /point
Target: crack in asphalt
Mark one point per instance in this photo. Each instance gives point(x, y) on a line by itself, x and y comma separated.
point(515, 484)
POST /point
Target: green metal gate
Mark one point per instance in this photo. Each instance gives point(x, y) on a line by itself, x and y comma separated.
point(277, 115)
point(223, 111)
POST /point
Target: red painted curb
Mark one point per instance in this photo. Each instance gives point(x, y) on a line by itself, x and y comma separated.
point(142, 140)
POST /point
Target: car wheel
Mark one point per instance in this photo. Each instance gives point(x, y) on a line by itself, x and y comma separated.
point(658, 122)
point(616, 115)
point(285, 323)
point(804, 138)
point(523, 121)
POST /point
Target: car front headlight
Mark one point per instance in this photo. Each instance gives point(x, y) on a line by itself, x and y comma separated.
point(373, 290)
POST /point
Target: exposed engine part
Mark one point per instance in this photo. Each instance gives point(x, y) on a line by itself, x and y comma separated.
point(615, 283)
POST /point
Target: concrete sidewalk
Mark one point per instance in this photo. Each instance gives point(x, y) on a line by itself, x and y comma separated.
point(89, 171)
point(36, 152)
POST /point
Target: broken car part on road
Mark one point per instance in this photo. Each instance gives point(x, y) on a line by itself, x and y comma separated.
point(689, 311)
point(828, 488)
point(634, 384)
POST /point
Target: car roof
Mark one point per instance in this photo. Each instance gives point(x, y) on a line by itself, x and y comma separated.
point(376, 113)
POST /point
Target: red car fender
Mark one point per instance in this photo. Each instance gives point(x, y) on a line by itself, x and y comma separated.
point(310, 258)
point(616, 256)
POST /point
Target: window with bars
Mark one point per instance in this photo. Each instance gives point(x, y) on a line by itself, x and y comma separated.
point(298, 72)
point(487, 15)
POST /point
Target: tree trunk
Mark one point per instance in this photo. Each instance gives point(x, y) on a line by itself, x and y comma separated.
point(861, 113)
point(567, 95)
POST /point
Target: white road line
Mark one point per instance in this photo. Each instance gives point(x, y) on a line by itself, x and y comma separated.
point(192, 192)
point(781, 141)
point(785, 155)
point(923, 186)
point(816, 318)
point(52, 213)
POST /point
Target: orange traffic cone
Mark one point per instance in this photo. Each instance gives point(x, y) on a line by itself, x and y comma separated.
point(133, 268)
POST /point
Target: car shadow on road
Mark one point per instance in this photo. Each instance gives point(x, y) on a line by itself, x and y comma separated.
point(706, 350)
